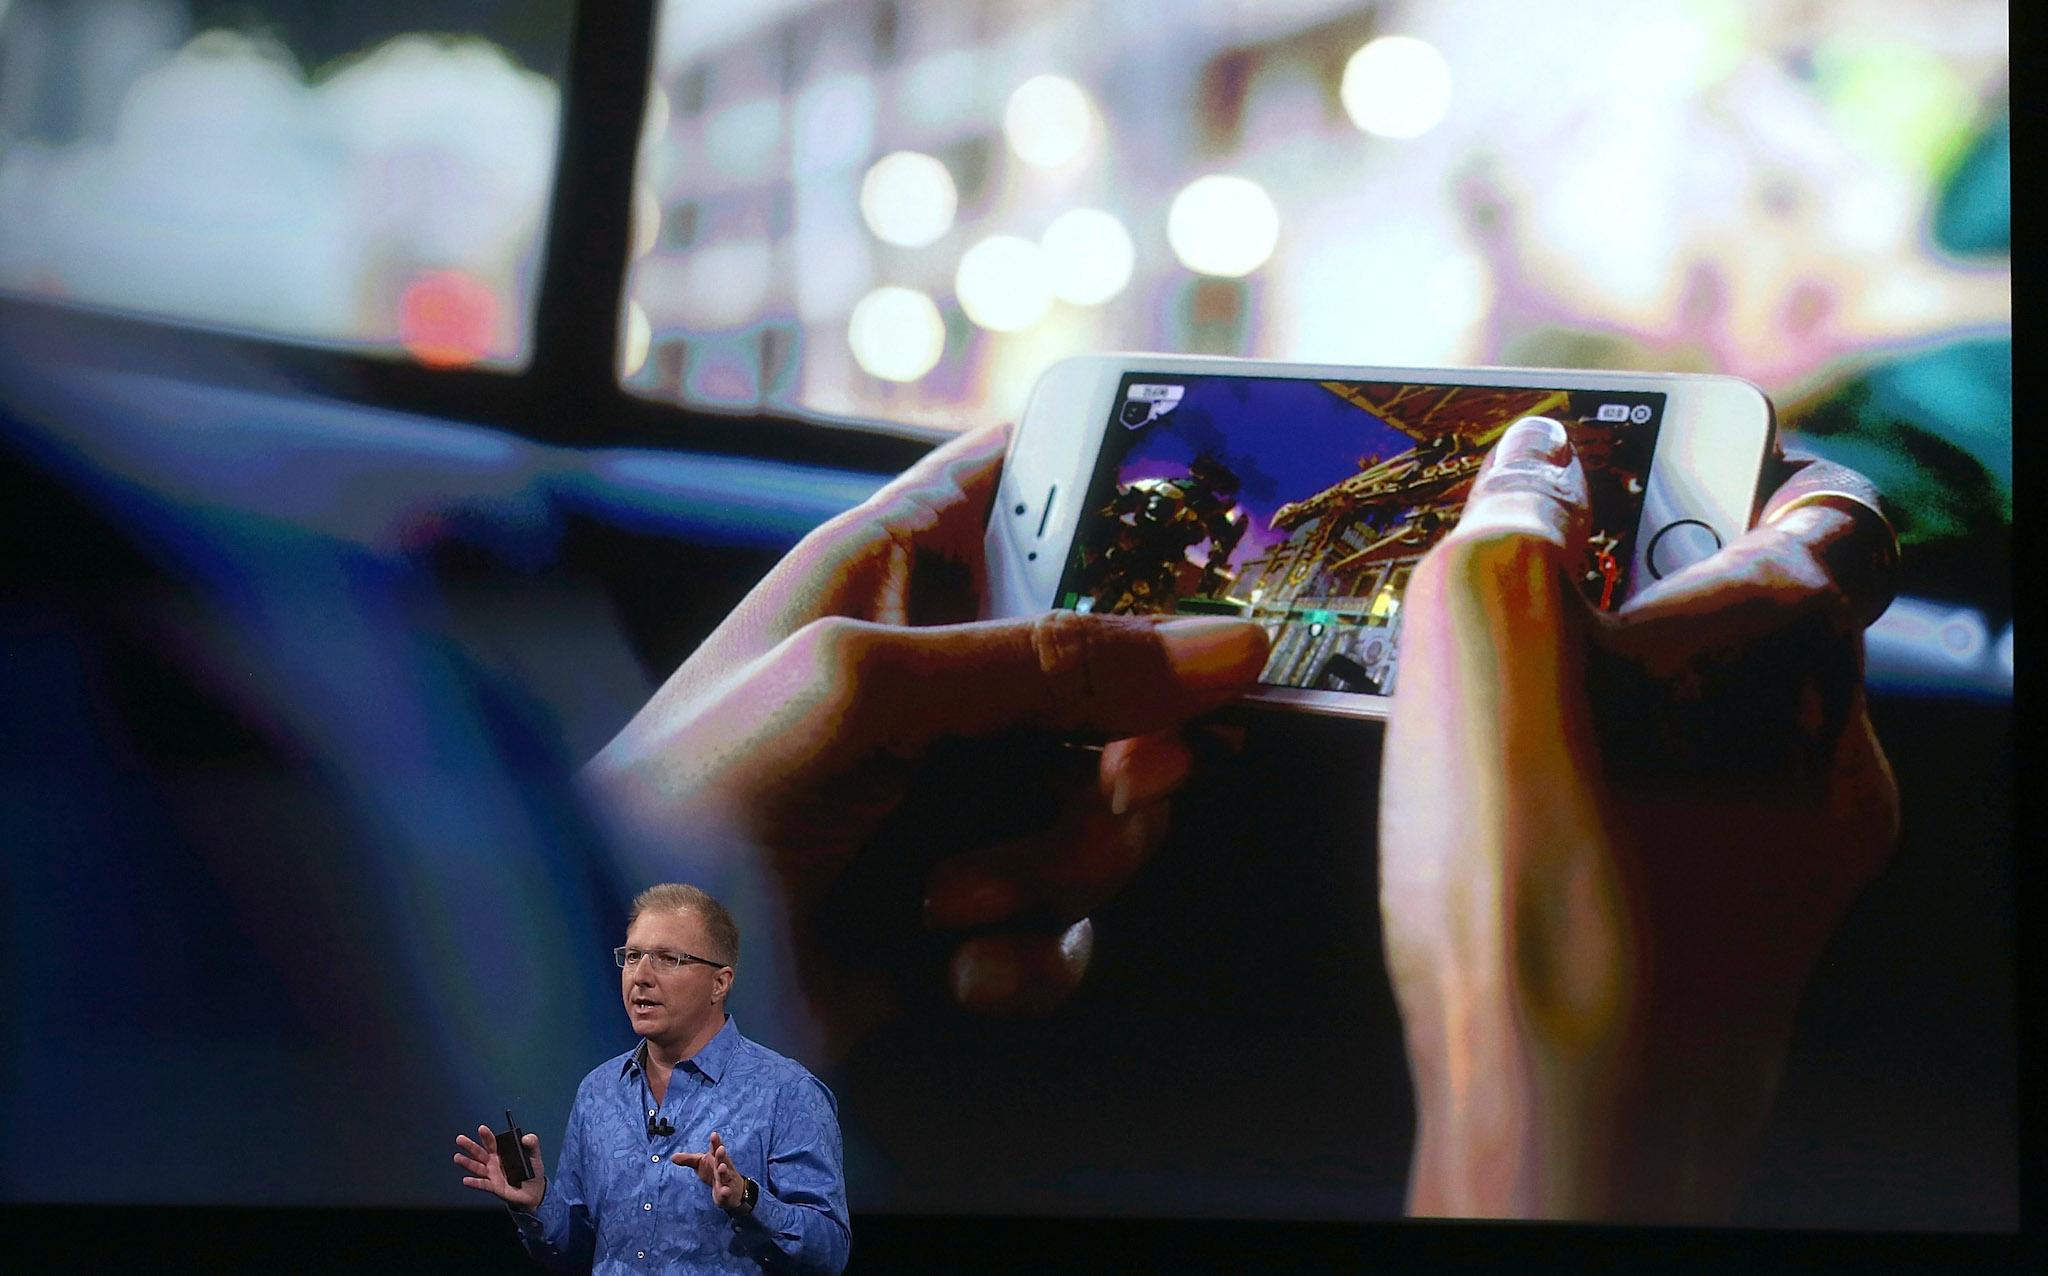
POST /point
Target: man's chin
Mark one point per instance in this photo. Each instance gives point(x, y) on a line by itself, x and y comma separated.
point(648, 1023)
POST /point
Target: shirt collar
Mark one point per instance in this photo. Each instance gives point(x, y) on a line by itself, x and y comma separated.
point(711, 1060)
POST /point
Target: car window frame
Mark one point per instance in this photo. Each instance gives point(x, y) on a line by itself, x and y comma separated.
point(570, 392)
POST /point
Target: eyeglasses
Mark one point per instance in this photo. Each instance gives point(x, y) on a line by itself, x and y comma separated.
point(663, 959)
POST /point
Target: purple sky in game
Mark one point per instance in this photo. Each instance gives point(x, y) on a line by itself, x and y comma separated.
point(1286, 439)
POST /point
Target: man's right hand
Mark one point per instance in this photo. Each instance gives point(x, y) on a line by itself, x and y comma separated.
point(482, 1169)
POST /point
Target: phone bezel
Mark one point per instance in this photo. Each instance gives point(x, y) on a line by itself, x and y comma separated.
point(1707, 466)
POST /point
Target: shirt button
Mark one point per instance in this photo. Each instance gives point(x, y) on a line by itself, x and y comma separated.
point(641, 1254)
point(647, 1205)
point(655, 1157)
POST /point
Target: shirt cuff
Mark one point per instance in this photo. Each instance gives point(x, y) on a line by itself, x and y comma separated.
point(545, 1219)
point(769, 1217)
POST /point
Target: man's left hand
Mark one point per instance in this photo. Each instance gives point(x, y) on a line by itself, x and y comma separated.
point(716, 1171)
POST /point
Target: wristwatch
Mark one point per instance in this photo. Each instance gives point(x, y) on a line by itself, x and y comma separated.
point(749, 1195)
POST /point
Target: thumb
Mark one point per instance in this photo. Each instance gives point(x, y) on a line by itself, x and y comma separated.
point(532, 1142)
point(1530, 485)
point(1062, 671)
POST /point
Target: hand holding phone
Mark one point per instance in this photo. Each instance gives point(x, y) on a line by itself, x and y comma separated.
point(1611, 851)
point(1303, 497)
point(941, 801)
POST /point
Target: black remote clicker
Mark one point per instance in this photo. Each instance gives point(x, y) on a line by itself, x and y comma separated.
point(512, 1152)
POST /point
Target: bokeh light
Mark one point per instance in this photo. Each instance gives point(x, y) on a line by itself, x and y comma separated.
point(1396, 86)
point(896, 333)
point(654, 126)
point(1048, 121)
point(445, 318)
point(1629, 183)
point(1002, 284)
point(1223, 225)
point(1089, 255)
point(639, 335)
point(908, 199)
point(646, 220)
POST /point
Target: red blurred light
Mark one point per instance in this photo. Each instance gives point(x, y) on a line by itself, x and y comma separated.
point(445, 318)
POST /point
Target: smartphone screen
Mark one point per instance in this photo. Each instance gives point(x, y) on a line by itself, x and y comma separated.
point(1305, 505)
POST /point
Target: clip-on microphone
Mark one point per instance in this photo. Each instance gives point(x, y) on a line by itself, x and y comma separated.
point(512, 1152)
point(657, 1127)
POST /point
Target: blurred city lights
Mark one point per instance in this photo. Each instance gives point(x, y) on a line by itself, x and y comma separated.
point(1223, 225)
point(832, 126)
point(654, 125)
point(742, 140)
point(1089, 255)
point(1048, 121)
point(908, 199)
point(639, 336)
point(938, 92)
point(1396, 86)
point(724, 285)
point(1895, 100)
point(446, 318)
point(1429, 292)
point(1002, 283)
point(896, 333)
point(646, 220)
point(1458, 291)
point(833, 255)
point(833, 267)
point(1674, 51)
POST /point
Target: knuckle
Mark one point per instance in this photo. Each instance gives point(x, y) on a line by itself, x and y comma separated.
point(830, 647)
point(1786, 566)
point(832, 663)
point(1062, 642)
point(1064, 646)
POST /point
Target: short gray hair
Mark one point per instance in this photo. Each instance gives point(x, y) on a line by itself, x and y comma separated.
point(681, 897)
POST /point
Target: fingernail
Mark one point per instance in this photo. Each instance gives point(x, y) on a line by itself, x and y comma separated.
point(969, 900)
point(1535, 438)
point(1209, 653)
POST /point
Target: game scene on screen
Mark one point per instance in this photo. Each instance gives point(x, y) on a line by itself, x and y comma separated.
point(1305, 505)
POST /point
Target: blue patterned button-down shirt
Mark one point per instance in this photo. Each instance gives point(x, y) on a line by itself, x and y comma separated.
point(615, 1202)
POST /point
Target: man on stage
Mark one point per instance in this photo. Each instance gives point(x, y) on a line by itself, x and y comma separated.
point(697, 1150)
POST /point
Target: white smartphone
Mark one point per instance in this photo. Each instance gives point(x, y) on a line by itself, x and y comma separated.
point(1302, 496)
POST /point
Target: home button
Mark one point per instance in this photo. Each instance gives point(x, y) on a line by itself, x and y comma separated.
point(1679, 545)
